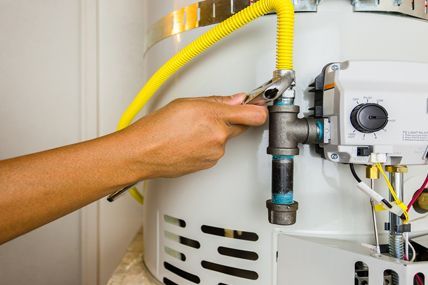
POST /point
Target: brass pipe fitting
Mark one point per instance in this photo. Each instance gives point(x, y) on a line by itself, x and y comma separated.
point(372, 172)
point(396, 168)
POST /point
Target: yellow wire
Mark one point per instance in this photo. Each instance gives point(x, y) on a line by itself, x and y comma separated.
point(284, 51)
point(393, 193)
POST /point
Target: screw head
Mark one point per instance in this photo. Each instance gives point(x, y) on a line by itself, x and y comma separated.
point(334, 156)
point(335, 67)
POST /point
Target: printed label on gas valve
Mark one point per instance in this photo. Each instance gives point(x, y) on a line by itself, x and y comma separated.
point(415, 136)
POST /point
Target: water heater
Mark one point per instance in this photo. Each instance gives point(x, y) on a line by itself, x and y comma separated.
point(361, 78)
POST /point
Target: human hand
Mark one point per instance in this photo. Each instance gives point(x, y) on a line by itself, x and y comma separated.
point(189, 134)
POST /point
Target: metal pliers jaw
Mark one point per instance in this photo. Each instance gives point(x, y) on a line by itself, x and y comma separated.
point(273, 89)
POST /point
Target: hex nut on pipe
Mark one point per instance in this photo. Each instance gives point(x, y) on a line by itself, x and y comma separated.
point(284, 215)
point(312, 136)
point(372, 172)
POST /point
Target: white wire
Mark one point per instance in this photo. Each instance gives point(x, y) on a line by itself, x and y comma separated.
point(406, 245)
point(414, 252)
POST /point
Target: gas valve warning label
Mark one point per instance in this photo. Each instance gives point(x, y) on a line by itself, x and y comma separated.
point(415, 136)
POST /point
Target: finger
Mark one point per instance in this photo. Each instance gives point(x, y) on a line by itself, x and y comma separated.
point(236, 130)
point(235, 99)
point(247, 115)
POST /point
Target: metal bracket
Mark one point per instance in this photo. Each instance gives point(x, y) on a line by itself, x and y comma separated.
point(306, 5)
point(359, 4)
point(413, 8)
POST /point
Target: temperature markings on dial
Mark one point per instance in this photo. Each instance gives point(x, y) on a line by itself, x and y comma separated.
point(367, 99)
point(364, 136)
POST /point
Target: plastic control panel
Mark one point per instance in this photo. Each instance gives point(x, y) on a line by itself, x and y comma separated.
point(373, 112)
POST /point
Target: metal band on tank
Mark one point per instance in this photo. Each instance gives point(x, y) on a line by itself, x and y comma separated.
point(205, 13)
point(208, 12)
point(413, 8)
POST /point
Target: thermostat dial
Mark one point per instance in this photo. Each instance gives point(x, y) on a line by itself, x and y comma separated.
point(369, 117)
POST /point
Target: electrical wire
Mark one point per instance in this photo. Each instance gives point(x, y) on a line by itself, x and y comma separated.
point(354, 173)
point(374, 196)
point(406, 246)
point(372, 203)
point(414, 252)
point(394, 194)
point(419, 280)
point(418, 194)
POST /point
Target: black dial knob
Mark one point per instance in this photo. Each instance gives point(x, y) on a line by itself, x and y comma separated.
point(369, 117)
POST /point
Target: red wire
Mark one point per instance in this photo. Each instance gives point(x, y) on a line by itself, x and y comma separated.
point(419, 280)
point(418, 194)
point(412, 202)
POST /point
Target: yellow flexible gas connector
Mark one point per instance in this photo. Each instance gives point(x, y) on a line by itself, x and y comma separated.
point(284, 51)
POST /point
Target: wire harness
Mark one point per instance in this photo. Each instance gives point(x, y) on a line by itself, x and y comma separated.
point(398, 208)
point(398, 202)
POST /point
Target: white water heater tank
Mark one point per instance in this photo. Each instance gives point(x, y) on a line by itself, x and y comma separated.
point(211, 227)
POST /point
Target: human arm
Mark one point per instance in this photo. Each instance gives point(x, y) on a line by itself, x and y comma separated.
point(185, 136)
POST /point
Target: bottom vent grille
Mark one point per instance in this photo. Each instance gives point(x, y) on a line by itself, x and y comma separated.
point(237, 272)
point(166, 281)
point(183, 274)
point(179, 232)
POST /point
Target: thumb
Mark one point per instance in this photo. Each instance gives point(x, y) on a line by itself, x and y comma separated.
point(235, 99)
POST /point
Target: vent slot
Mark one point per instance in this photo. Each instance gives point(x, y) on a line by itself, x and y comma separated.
point(166, 281)
point(174, 253)
point(183, 240)
point(361, 273)
point(222, 284)
point(250, 236)
point(391, 277)
point(183, 274)
point(419, 279)
point(237, 272)
point(243, 254)
point(174, 221)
